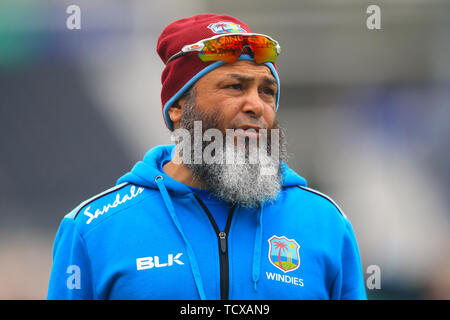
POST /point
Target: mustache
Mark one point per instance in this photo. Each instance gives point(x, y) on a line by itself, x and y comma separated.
point(257, 124)
point(215, 119)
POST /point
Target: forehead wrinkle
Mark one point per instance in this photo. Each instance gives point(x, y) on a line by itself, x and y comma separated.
point(265, 79)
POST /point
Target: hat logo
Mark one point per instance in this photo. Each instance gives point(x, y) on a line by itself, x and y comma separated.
point(226, 27)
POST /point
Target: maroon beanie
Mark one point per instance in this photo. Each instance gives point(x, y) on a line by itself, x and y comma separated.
point(181, 72)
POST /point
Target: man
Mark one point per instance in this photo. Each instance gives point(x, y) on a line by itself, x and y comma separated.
point(194, 222)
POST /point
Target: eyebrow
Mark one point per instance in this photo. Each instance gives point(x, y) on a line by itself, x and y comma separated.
point(266, 79)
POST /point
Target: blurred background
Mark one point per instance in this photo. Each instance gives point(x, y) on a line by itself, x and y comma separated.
point(366, 114)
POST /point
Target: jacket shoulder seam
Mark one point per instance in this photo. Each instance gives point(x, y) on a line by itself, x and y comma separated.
point(109, 191)
point(115, 213)
point(325, 197)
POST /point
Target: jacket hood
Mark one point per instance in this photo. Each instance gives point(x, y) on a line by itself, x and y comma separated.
point(145, 172)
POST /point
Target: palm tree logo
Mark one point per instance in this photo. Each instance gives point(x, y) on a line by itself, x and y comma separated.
point(222, 26)
point(225, 27)
point(280, 246)
point(284, 253)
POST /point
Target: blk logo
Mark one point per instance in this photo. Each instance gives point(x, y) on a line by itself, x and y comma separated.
point(155, 262)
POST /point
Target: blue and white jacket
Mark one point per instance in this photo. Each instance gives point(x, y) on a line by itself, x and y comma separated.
point(151, 237)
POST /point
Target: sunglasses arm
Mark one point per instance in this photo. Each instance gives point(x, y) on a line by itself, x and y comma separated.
point(186, 49)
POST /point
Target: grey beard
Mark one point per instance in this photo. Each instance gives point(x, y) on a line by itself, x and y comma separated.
point(246, 184)
point(240, 183)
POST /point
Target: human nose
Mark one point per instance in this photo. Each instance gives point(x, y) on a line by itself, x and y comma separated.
point(253, 104)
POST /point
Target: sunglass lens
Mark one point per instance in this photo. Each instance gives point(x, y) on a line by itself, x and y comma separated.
point(229, 48)
point(225, 49)
point(263, 48)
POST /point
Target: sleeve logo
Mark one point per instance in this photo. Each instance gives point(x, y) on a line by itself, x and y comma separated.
point(118, 201)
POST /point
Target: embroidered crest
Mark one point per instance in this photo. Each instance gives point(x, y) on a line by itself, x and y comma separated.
point(284, 253)
point(226, 27)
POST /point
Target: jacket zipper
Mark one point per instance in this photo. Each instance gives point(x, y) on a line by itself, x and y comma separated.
point(222, 237)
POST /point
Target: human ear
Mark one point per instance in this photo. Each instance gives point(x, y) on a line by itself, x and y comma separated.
point(175, 112)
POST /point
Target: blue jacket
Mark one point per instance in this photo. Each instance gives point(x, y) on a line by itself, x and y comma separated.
point(151, 237)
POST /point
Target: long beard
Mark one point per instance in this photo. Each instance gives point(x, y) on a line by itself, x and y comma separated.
point(243, 180)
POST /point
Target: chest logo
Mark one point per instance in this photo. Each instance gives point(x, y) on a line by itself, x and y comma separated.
point(284, 253)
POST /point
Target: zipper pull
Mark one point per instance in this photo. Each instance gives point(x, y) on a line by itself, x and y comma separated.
point(223, 241)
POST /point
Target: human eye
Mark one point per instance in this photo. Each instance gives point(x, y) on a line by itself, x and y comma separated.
point(235, 86)
point(268, 91)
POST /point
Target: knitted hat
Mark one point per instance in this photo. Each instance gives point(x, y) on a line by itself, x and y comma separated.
point(181, 73)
